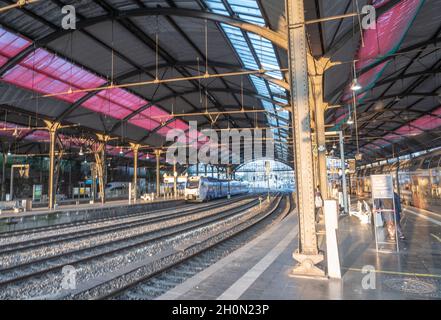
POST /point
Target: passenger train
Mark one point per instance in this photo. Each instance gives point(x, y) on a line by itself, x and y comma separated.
point(200, 188)
point(419, 180)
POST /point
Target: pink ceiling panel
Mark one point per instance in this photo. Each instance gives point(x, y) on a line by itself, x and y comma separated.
point(427, 122)
point(392, 137)
point(39, 136)
point(408, 131)
point(60, 69)
point(178, 124)
point(98, 104)
point(11, 130)
point(28, 79)
point(123, 98)
point(144, 122)
point(3, 60)
point(157, 114)
point(340, 118)
point(113, 151)
point(437, 111)
point(391, 28)
point(11, 44)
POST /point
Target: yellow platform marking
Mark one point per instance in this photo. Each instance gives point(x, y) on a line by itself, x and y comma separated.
point(399, 273)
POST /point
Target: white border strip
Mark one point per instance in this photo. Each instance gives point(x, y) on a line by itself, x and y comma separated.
point(194, 281)
point(240, 286)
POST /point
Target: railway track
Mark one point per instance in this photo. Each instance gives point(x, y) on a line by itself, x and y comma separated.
point(40, 229)
point(192, 259)
point(126, 223)
point(14, 276)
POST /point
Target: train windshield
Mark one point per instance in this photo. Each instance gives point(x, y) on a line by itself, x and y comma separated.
point(193, 184)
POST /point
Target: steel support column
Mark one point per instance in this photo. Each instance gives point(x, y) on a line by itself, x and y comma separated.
point(100, 159)
point(3, 185)
point(175, 178)
point(343, 173)
point(158, 178)
point(52, 127)
point(316, 69)
point(307, 254)
point(135, 149)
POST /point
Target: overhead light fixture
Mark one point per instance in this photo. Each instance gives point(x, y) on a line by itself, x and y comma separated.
point(85, 160)
point(121, 152)
point(9, 152)
point(81, 151)
point(355, 86)
point(147, 156)
point(350, 121)
point(334, 146)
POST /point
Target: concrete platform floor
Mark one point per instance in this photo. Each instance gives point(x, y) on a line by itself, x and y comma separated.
point(260, 269)
point(75, 207)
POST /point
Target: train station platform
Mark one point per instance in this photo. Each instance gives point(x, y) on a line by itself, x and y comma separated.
point(260, 269)
point(74, 207)
point(13, 221)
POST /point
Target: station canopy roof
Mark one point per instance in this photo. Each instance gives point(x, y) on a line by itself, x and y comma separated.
point(46, 71)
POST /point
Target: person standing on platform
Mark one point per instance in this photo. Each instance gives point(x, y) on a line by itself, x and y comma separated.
point(334, 191)
point(397, 212)
point(340, 200)
point(318, 204)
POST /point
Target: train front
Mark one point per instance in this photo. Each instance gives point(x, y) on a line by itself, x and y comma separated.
point(192, 189)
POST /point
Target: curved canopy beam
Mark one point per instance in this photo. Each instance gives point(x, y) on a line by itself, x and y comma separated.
point(185, 93)
point(277, 38)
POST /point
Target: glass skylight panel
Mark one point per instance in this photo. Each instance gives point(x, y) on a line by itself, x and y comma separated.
point(217, 7)
point(249, 10)
point(281, 100)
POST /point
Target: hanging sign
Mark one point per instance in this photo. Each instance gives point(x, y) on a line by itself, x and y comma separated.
point(382, 186)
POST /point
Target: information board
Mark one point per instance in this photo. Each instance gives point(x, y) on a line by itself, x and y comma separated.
point(36, 192)
point(382, 186)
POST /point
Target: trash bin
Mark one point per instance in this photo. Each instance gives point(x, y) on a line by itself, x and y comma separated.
point(28, 204)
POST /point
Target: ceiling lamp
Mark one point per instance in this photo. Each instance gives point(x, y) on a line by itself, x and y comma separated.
point(81, 151)
point(9, 152)
point(355, 86)
point(350, 121)
point(121, 152)
point(334, 146)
